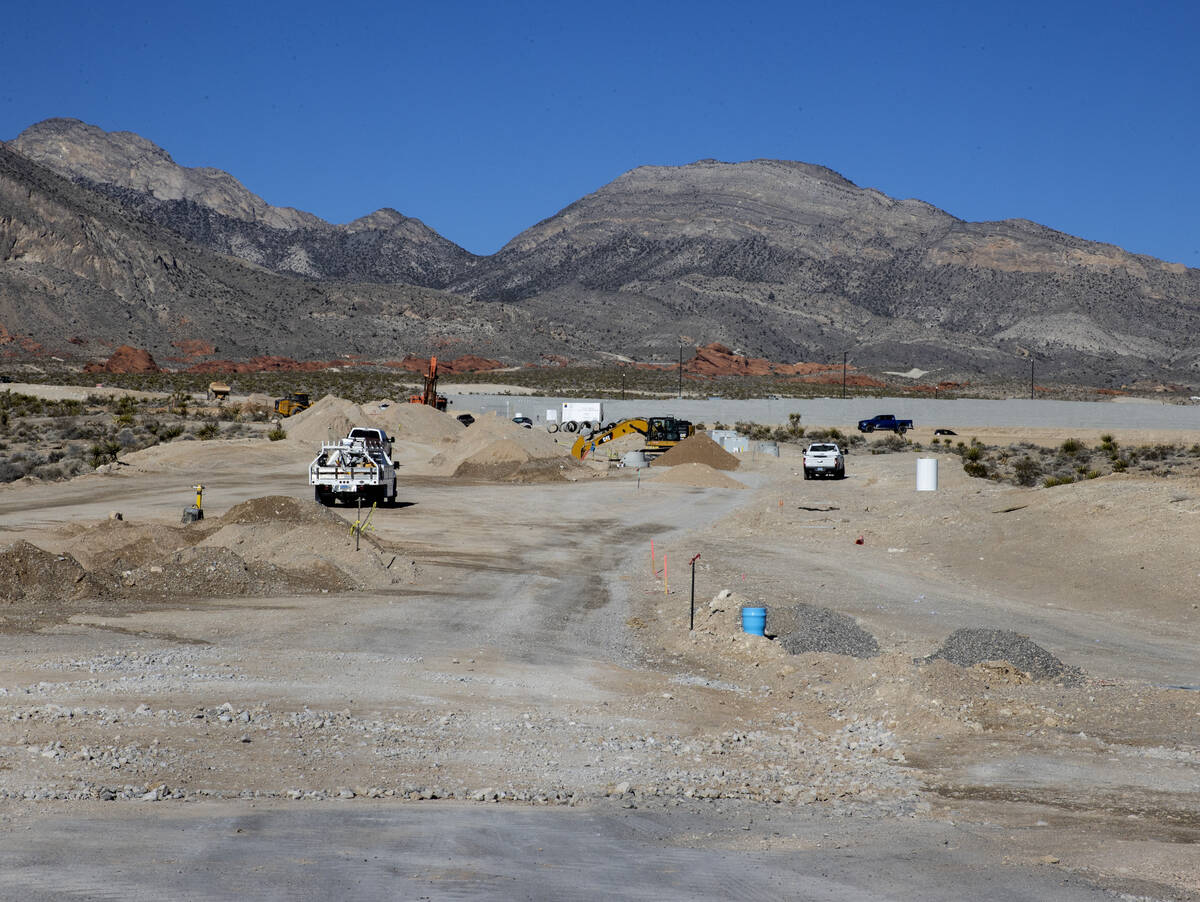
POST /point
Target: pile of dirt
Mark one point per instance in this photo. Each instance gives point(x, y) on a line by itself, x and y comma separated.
point(309, 546)
point(699, 449)
point(697, 475)
point(265, 546)
point(29, 573)
point(328, 419)
point(968, 647)
point(495, 448)
point(331, 418)
point(805, 628)
point(413, 422)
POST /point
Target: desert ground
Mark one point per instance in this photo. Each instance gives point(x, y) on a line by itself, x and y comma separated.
point(497, 693)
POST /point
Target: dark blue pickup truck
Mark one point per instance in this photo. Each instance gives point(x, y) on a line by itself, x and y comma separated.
point(885, 422)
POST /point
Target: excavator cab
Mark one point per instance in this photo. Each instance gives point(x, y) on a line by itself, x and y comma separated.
point(668, 430)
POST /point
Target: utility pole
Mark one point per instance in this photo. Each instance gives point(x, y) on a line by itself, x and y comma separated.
point(1031, 388)
point(681, 369)
point(844, 353)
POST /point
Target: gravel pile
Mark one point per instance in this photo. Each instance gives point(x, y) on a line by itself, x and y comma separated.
point(804, 627)
point(968, 647)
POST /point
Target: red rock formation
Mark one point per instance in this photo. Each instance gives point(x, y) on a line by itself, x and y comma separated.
point(717, 360)
point(468, 363)
point(126, 359)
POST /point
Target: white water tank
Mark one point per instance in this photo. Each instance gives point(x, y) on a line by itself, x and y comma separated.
point(927, 474)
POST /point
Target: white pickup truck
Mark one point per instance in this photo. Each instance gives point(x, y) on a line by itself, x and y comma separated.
point(358, 466)
point(824, 459)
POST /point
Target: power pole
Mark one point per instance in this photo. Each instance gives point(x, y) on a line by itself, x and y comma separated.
point(844, 353)
point(681, 369)
point(1031, 388)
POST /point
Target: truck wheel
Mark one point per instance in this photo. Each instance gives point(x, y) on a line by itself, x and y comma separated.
point(552, 427)
point(391, 502)
point(570, 426)
point(902, 430)
point(807, 475)
point(839, 474)
point(325, 499)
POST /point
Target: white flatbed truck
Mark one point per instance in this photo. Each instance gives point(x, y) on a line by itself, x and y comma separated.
point(357, 466)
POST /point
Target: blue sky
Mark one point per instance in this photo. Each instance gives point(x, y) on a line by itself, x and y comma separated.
point(482, 119)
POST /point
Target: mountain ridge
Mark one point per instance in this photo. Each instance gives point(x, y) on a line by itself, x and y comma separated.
point(784, 259)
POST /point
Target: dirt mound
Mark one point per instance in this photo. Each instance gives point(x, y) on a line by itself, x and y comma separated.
point(30, 573)
point(699, 476)
point(496, 448)
point(413, 422)
point(126, 359)
point(968, 647)
point(276, 509)
point(805, 628)
point(699, 449)
point(328, 419)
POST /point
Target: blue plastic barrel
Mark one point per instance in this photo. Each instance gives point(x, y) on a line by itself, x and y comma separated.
point(754, 620)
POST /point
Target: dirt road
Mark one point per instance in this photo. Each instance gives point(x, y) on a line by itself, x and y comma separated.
point(526, 712)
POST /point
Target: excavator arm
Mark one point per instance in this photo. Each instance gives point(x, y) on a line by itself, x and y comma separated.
point(585, 445)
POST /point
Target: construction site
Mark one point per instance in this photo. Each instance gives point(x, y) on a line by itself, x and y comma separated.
point(513, 661)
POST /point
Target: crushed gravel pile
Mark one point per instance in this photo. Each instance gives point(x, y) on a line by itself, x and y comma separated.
point(699, 449)
point(968, 647)
point(698, 476)
point(806, 628)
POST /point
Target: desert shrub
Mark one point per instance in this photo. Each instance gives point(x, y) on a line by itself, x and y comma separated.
point(973, 453)
point(209, 430)
point(1026, 471)
point(1092, 474)
point(976, 468)
point(277, 434)
point(889, 444)
point(1120, 464)
point(1071, 446)
point(1051, 481)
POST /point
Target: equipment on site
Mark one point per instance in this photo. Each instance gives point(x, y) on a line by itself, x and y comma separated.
point(581, 416)
point(218, 390)
point(192, 514)
point(661, 434)
point(293, 403)
point(357, 467)
point(429, 395)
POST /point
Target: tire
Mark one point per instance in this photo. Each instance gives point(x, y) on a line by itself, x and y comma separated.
point(807, 475)
point(585, 426)
point(570, 426)
point(902, 430)
point(552, 428)
point(325, 499)
point(610, 426)
point(839, 474)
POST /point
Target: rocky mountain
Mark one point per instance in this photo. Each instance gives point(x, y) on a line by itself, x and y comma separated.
point(212, 208)
point(775, 259)
point(81, 274)
point(795, 262)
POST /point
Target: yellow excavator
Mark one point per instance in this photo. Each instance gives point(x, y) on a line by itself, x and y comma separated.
point(661, 434)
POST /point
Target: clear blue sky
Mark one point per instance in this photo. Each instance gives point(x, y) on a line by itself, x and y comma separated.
point(484, 118)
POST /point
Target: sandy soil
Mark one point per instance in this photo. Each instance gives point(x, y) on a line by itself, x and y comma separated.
point(532, 668)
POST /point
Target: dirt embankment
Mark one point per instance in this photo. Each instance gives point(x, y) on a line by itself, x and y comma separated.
point(264, 546)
